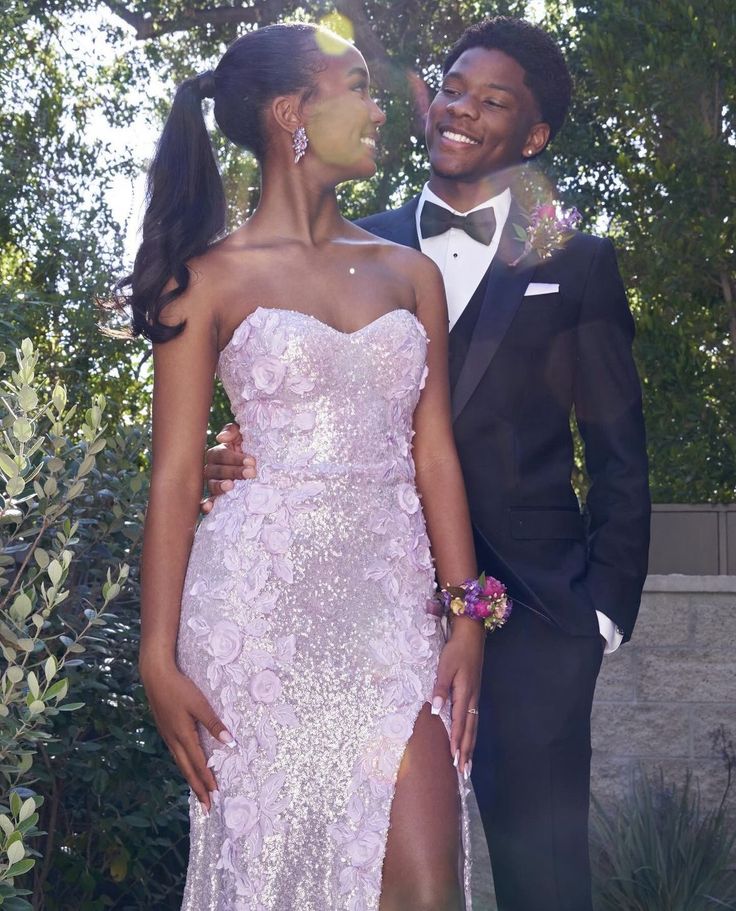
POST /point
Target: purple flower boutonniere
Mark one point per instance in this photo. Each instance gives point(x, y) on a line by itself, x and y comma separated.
point(550, 228)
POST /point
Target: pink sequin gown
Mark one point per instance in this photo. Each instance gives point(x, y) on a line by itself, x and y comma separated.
point(304, 616)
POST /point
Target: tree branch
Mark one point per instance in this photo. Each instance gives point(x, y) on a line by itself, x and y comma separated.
point(131, 18)
point(148, 27)
point(387, 74)
point(384, 70)
point(51, 813)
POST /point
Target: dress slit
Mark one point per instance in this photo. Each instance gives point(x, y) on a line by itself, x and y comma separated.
point(464, 853)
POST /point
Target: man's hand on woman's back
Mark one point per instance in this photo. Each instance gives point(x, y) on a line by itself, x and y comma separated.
point(225, 464)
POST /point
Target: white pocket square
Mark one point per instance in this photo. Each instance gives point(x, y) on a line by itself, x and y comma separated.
point(540, 288)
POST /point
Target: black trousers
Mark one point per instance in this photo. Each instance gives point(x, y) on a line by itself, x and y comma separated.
point(531, 767)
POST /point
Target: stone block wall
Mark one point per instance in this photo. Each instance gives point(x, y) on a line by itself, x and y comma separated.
point(658, 700)
point(661, 696)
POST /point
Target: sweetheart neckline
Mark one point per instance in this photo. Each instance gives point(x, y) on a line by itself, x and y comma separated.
point(322, 323)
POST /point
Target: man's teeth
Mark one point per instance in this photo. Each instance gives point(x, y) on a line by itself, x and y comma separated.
point(458, 137)
point(368, 141)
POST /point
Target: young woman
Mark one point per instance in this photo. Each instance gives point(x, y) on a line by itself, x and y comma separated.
point(291, 660)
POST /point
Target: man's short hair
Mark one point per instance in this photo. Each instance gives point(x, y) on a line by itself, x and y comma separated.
point(546, 73)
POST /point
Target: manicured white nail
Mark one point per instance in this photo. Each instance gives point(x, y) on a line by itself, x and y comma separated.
point(437, 704)
point(468, 769)
point(227, 738)
point(457, 758)
point(204, 809)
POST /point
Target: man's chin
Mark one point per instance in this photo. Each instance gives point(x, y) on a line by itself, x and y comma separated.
point(449, 171)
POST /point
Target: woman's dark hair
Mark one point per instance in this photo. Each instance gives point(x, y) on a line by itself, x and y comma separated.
point(186, 201)
point(546, 73)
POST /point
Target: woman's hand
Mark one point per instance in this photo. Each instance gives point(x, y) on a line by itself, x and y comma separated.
point(225, 464)
point(458, 678)
point(177, 705)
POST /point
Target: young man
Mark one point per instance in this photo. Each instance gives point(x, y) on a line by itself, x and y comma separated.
point(531, 340)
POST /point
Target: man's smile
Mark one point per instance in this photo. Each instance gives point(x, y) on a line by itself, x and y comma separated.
point(452, 134)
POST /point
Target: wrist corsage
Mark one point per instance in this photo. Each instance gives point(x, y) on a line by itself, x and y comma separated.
point(482, 599)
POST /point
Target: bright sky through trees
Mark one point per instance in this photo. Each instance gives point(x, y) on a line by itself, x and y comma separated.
point(127, 196)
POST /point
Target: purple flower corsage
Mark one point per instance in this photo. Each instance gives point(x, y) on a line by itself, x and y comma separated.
point(549, 229)
point(484, 599)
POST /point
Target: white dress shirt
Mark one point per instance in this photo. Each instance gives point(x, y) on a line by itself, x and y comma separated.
point(463, 262)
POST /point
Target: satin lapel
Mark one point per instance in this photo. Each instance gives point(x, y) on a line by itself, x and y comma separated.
point(402, 228)
point(504, 294)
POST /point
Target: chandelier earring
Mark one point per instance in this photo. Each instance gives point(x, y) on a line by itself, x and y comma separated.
point(300, 143)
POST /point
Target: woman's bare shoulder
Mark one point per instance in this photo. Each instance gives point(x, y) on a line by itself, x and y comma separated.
point(214, 276)
point(410, 261)
point(418, 268)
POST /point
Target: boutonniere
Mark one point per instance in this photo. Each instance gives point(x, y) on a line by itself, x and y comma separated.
point(550, 227)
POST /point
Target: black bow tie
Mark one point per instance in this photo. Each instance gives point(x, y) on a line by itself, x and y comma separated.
point(480, 225)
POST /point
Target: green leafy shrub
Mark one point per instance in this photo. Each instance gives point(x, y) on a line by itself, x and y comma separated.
point(662, 851)
point(115, 808)
point(100, 801)
point(45, 460)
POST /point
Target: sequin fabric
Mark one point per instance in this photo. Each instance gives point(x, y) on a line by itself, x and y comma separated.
point(304, 616)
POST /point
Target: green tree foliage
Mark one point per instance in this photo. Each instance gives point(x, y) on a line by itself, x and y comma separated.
point(59, 244)
point(648, 155)
point(652, 149)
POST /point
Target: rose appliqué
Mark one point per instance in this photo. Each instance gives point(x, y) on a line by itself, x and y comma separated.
point(240, 814)
point(225, 641)
point(276, 538)
point(408, 499)
point(265, 687)
point(268, 373)
point(262, 499)
point(396, 727)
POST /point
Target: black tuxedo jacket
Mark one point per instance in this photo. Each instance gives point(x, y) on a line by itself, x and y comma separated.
point(527, 363)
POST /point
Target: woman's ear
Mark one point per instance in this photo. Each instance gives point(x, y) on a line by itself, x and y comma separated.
point(286, 113)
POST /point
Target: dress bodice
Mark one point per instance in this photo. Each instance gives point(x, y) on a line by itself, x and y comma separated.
point(309, 397)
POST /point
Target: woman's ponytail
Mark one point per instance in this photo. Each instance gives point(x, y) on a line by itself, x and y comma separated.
point(185, 212)
point(186, 200)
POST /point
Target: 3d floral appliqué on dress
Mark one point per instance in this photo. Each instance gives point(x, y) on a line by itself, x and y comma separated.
point(304, 616)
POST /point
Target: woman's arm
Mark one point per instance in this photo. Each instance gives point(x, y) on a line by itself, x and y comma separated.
point(440, 484)
point(183, 376)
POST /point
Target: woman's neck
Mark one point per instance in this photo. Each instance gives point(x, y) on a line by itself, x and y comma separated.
point(295, 208)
